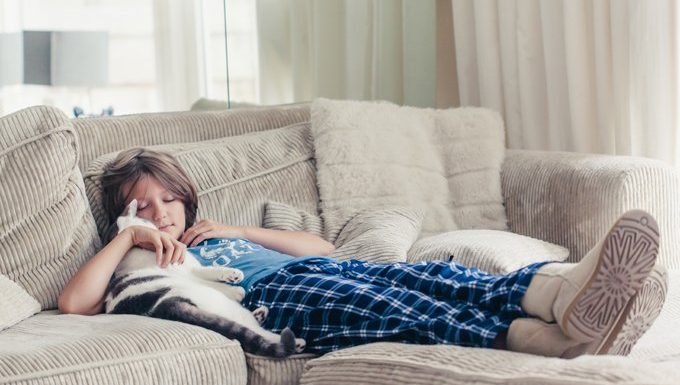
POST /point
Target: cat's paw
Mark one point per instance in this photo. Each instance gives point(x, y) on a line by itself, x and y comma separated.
point(300, 345)
point(260, 314)
point(237, 293)
point(230, 275)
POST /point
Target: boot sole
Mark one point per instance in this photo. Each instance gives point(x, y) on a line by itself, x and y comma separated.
point(627, 256)
point(638, 316)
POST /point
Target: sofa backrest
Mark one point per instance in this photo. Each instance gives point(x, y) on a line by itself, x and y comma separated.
point(102, 135)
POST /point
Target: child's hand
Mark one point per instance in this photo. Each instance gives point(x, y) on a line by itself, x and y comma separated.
point(206, 229)
point(168, 250)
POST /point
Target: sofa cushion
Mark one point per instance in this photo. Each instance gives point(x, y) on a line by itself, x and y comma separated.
point(496, 252)
point(46, 227)
point(280, 216)
point(234, 176)
point(396, 364)
point(377, 154)
point(374, 235)
point(379, 235)
point(276, 371)
point(116, 349)
point(102, 135)
point(15, 303)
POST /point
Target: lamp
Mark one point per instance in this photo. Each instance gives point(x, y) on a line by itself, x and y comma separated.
point(66, 58)
point(11, 59)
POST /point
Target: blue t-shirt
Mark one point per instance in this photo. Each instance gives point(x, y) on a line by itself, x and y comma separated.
point(255, 261)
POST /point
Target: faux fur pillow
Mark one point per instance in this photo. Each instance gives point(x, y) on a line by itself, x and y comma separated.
point(375, 235)
point(15, 303)
point(378, 154)
point(497, 252)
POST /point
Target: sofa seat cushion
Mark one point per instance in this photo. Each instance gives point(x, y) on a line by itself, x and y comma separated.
point(496, 252)
point(116, 349)
point(276, 371)
point(396, 364)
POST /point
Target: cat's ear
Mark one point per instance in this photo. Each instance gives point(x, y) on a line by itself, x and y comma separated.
point(131, 210)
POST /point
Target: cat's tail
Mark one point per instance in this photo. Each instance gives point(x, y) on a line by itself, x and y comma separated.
point(181, 309)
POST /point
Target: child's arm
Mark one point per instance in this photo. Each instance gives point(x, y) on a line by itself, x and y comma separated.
point(84, 293)
point(295, 243)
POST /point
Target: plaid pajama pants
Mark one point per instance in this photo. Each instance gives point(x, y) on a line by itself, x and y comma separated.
point(335, 305)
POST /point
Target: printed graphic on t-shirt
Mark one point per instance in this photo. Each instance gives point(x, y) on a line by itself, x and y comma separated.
point(221, 252)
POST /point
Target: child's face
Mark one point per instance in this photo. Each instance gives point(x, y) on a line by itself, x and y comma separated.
point(157, 205)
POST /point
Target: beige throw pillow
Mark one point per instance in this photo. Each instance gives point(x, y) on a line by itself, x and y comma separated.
point(378, 235)
point(378, 154)
point(15, 304)
point(234, 176)
point(496, 252)
point(280, 216)
point(46, 226)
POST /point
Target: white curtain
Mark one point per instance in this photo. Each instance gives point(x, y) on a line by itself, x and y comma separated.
point(180, 40)
point(348, 49)
point(575, 75)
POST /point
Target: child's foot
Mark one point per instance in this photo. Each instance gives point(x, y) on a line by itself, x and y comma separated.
point(588, 299)
point(534, 336)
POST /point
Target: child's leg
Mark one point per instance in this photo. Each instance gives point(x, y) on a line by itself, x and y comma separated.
point(589, 298)
point(448, 281)
point(332, 312)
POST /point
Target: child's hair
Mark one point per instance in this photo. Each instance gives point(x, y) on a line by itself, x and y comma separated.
point(130, 165)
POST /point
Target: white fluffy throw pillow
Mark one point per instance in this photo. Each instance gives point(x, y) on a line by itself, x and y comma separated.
point(378, 154)
point(497, 252)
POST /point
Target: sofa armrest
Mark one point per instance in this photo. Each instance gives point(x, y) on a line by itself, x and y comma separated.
point(572, 199)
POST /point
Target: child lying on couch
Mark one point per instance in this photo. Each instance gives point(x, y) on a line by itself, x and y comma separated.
point(554, 309)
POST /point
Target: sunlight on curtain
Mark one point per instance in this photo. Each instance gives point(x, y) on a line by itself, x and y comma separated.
point(347, 49)
point(574, 75)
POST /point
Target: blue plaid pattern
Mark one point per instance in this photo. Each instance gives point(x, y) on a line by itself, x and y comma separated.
point(334, 305)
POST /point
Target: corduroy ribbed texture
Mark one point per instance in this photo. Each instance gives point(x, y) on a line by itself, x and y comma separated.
point(573, 199)
point(379, 235)
point(276, 371)
point(15, 303)
point(46, 228)
point(116, 349)
point(493, 251)
point(234, 176)
point(280, 216)
point(377, 154)
point(373, 235)
point(102, 135)
point(397, 364)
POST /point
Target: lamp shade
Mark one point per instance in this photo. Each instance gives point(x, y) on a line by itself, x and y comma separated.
point(11, 59)
point(66, 58)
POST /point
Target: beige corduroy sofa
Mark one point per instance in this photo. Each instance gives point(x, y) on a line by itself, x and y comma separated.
point(47, 230)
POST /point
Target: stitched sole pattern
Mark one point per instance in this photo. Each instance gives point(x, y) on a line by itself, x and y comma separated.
point(627, 256)
point(640, 314)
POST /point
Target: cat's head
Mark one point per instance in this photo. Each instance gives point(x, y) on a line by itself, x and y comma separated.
point(131, 218)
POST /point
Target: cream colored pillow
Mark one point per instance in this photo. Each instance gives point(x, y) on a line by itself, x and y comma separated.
point(15, 304)
point(373, 235)
point(496, 252)
point(280, 216)
point(378, 154)
point(46, 226)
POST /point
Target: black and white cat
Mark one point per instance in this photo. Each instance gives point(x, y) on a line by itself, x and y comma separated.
point(191, 293)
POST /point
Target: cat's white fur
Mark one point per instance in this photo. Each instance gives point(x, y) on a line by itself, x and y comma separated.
point(206, 286)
